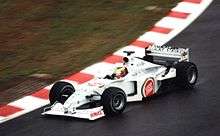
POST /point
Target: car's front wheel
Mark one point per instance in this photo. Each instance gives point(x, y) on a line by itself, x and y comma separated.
point(114, 101)
point(60, 92)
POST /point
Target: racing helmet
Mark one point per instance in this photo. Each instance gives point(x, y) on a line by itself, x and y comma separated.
point(121, 72)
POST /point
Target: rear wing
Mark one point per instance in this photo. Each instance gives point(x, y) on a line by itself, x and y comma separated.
point(178, 54)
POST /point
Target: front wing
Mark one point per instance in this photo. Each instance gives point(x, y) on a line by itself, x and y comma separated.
point(91, 114)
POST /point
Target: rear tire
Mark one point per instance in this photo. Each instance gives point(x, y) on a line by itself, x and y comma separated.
point(114, 101)
point(60, 92)
point(186, 74)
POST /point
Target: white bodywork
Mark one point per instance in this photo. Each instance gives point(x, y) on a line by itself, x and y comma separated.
point(143, 80)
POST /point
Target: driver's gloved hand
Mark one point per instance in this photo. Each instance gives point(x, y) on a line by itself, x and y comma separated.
point(108, 77)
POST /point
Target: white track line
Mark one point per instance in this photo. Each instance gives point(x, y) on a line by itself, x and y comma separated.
point(171, 22)
point(29, 103)
point(153, 37)
point(99, 69)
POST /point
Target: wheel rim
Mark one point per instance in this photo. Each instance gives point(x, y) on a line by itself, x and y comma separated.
point(118, 102)
point(192, 76)
point(66, 93)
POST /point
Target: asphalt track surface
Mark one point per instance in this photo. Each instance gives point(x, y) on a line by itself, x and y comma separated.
point(193, 112)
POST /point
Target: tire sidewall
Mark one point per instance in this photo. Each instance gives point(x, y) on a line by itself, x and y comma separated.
point(192, 70)
point(123, 102)
point(67, 92)
point(183, 71)
point(57, 90)
point(107, 99)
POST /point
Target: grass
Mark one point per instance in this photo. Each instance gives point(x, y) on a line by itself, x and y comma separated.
point(63, 36)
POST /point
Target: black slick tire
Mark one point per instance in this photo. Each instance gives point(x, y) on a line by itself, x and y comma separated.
point(114, 101)
point(186, 74)
point(60, 92)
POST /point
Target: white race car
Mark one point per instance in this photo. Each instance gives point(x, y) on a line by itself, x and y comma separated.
point(135, 79)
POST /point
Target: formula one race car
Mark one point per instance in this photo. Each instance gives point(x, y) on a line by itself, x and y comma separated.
point(135, 79)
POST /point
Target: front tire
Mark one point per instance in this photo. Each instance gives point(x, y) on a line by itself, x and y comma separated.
point(60, 92)
point(114, 101)
point(186, 74)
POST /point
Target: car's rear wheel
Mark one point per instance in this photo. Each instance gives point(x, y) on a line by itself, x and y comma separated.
point(114, 101)
point(60, 92)
point(186, 74)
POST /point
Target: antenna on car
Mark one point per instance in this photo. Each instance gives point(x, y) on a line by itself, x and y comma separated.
point(129, 52)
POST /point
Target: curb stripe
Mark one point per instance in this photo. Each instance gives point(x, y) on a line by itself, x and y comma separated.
point(162, 30)
point(80, 77)
point(193, 1)
point(139, 52)
point(141, 44)
point(29, 103)
point(43, 94)
point(177, 14)
point(113, 59)
point(9, 110)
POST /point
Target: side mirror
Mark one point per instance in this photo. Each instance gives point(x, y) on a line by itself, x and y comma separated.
point(125, 59)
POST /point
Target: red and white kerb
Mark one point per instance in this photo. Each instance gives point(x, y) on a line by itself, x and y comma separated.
point(148, 87)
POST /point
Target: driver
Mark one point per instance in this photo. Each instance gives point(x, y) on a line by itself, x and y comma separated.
point(121, 72)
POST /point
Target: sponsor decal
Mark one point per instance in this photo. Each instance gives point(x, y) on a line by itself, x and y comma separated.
point(95, 114)
point(98, 84)
point(148, 88)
